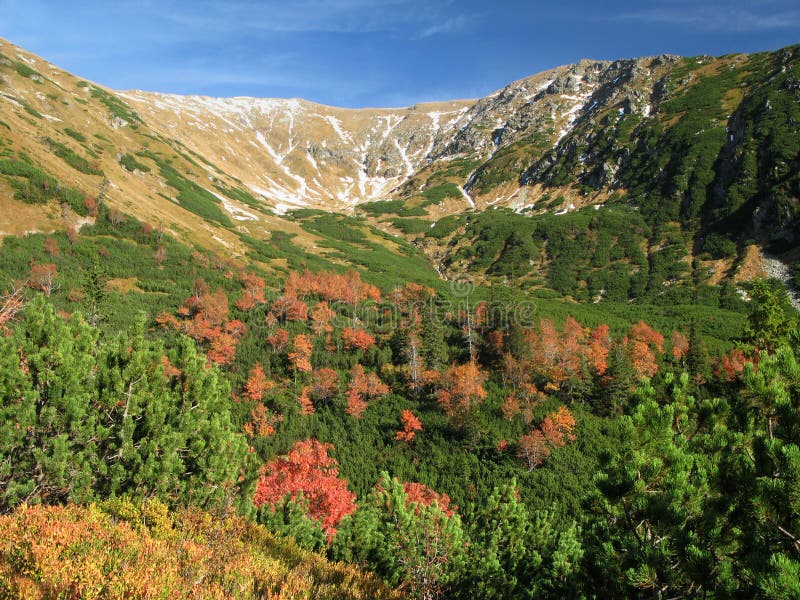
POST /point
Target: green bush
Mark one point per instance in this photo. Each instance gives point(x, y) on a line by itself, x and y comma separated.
point(129, 162)
point(73, 159)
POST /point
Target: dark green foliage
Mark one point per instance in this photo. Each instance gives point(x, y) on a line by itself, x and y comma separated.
point(242, 196)
point(718, 246)
point(721, 144)
point(587, 252)
point(85, 419)
point(34, 186)
point(438, 193)
point(129, 162)
point(411, 226)
point(397, 207)
point(191, 196)
point(445, 226)
point(75, 135)
point(115, 106)
point(384, 263)
point(291, 518)
point(25, 70)
point(69, 156)
point(772, 319)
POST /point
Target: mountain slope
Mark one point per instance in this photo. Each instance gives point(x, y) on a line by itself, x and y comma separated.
point(705, 151)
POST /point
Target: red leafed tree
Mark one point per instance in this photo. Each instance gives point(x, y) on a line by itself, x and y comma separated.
point(51, 247)
point(308, 470)
point(680, 345)
point(257, 384)
point(461, 389)
point(533, 449)
point(363, 386)
point(206, 321)
point(411, 424)
point(420, 494)
point(279, 340)
point(304, 400)
point(733, 364)
point(43, 278)
point(357, 339)
point(301, 356)
point(253, 293)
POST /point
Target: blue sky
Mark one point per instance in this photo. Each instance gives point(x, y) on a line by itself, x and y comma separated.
point(360, 53)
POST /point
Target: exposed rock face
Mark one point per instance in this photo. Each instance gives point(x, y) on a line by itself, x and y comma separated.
point(295, 153)
point(299, 154)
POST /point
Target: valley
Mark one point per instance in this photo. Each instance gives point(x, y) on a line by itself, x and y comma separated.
point(535, 344)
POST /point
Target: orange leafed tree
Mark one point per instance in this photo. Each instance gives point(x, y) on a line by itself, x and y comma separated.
point(332, 287)
point(556, 429)
point(461, 389)
point(512, 406)
point(304, 400)
point(680, 345)
point(206, 315)
point(257, 384)
point(363, 386)
point(308, 470)
point(43, 278)
point(420, 494)
point(10, 306)
point(262, 421)
point(289, 308)
point(253, 293)
point(599, 347)
point(279, 340)
point(357, 339)
point(411, 425)
point(321, 317)
point(301, 356)
point(644, 343)
point(326, 384)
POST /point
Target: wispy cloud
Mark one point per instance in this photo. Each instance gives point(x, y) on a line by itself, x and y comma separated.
point(720, 18)
point(306, 16)
point(451, 25)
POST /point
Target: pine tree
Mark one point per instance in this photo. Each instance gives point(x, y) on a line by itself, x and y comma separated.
point(94, 285)
point(434, 347)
